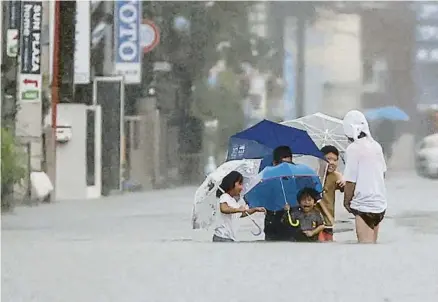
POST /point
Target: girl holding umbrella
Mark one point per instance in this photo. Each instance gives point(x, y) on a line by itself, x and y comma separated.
point(229, 208)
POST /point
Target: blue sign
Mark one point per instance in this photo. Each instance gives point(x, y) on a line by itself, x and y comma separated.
point(426, 54)
point(128, 52)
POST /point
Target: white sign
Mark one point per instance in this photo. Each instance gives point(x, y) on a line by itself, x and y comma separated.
point(427, 33)
point(427, 55)
point(149, 36)
point(30, 78)
point(427, 11)
point(82, 45)
point(30, 87)
point(12, 43)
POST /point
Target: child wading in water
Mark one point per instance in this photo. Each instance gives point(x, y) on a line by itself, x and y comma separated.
point(304, 223)
point(229, 208)
point(333, 181)
point(365, 189)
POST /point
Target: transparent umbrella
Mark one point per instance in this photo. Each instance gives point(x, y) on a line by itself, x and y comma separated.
point(323, 129)
point(205, 204)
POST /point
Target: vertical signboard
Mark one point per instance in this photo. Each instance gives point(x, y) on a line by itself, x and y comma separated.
point(30, 78)
point(127, 57)
point(426, 54)
point(12, 34)
point(82, 45)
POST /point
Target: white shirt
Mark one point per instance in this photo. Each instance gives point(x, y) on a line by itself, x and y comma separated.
point(227, 223)
point(365, 166)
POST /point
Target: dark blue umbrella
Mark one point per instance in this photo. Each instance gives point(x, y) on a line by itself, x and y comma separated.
point(280, 184)
point(392, 113)
point(261, 139)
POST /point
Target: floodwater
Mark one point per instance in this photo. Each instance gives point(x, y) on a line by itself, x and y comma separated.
point(139, 247)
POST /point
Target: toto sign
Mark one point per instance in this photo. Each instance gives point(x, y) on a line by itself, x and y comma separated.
point(127, 16)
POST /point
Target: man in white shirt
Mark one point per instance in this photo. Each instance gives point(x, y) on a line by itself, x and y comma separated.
point(365, 191)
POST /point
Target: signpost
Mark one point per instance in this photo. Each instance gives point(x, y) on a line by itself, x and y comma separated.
point(127, 56)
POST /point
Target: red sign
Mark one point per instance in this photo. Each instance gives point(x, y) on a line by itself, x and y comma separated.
point(149, 35)
point(33, 82)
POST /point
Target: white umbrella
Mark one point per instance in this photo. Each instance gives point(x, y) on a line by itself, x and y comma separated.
point(323, 129)
point(205, 203)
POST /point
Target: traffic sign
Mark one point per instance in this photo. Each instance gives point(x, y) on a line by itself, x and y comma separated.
point(149, 36)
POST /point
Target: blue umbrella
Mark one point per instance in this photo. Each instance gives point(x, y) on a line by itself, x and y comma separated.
point(261, 139)
point(280, 184)
point(392, 113)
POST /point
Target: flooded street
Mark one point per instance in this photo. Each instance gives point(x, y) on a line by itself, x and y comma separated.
point(140, 247)
point(119, 96)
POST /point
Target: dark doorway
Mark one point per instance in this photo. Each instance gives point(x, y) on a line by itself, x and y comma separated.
point(109, 96)
point(91, 147)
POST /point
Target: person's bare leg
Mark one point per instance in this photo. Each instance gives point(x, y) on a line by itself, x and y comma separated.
point(364, 233)
point(376, 233)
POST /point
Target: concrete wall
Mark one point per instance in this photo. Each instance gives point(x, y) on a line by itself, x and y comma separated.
point(71, 157)
point(333, 75)
point(341, 55)
point(316, 73)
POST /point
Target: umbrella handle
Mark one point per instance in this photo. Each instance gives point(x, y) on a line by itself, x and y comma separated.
point(256, 224)
point(284, 193)
point(294, 224)
point(343, 159)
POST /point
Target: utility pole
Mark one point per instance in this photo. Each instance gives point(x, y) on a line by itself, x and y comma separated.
point(2, 81)
point(66, 35)
point(108, 68)
point(56, 75)
point(9, 30)
point(1, 91)
point(301, 65)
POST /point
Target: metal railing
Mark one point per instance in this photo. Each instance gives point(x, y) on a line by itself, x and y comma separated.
point(151, 157)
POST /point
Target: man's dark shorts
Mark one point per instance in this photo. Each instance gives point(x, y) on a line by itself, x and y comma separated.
point(371, 219)
point(275, 230)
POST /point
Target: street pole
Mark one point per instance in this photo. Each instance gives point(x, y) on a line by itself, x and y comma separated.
point(1, 91)
point(301, 65)
point(55, 92)
point(9, 22)
point(1, 61)
point(11, 19)
point(55, 71)
point(108, 49)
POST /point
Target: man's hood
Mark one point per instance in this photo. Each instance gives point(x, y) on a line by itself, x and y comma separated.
point(354, 123)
